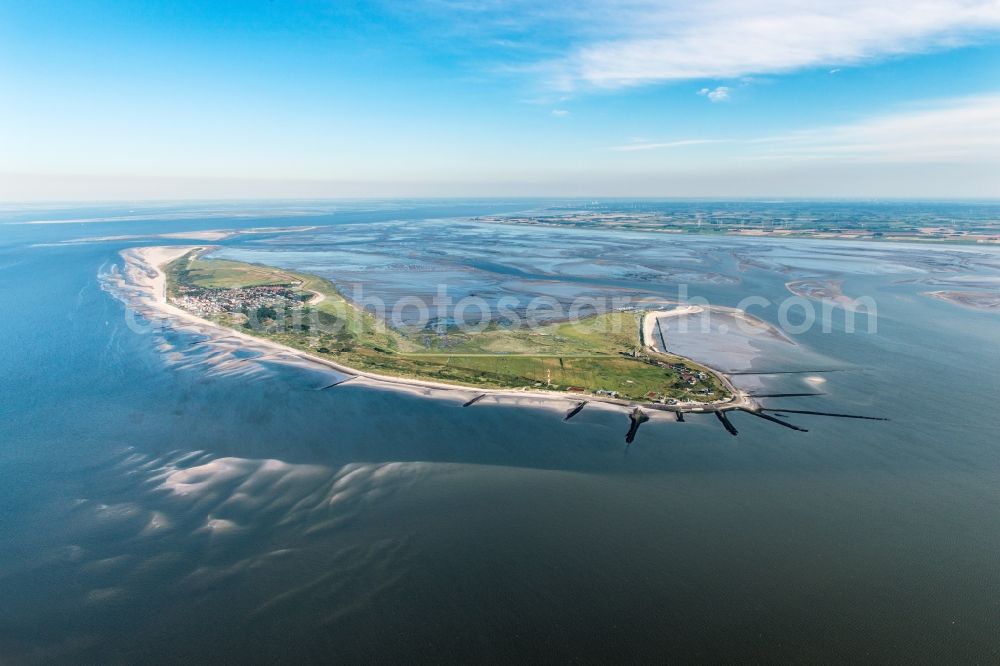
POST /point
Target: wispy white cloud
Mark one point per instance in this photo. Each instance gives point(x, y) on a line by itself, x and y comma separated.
point(720, 94)
point(618, 43)
point(965, 129)
point(958, 130)
point(646, 41)
point(560, 113)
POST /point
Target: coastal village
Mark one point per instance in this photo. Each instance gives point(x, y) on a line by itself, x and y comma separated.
point(208, 302)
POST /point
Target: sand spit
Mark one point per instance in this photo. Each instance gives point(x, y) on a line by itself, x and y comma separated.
point(650, 327)
point(651, 333)
point(208, 236)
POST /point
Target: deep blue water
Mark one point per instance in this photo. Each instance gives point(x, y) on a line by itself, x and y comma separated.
point(157, 509)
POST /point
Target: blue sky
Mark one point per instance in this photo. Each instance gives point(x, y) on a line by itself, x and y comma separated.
point(111, 99)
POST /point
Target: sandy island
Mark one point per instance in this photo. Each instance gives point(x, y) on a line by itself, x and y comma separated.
point(976, 300)
point(143, 286)
point(209, 235)
point(830, 291)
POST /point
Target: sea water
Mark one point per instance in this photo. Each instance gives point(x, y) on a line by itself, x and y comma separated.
point(159, 505)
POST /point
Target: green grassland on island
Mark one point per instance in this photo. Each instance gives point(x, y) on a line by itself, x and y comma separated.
point(601, 352)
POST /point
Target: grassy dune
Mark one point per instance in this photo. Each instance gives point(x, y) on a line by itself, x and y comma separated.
point(223, 274)
point(590, 354)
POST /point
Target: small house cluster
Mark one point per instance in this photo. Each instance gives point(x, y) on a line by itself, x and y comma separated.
point(221, 301)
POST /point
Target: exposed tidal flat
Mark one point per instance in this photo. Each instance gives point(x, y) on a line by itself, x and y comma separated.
point(167, 500)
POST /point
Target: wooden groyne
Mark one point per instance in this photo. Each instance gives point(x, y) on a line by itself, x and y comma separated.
point(774, 420)
point(338, 383)
point(576, 410)
point(638, 417)
point(726, 423)
point(839, 416)
point(739, 373)
point(474, 400)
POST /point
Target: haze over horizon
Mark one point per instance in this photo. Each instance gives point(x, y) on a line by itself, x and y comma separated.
point(463, 98)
